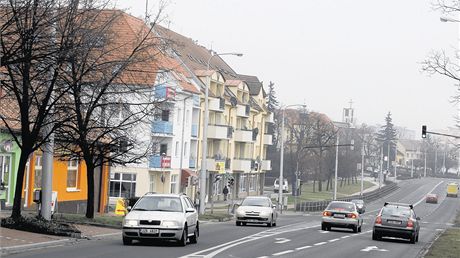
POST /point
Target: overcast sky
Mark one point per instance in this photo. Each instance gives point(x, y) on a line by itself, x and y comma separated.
point(325, 52)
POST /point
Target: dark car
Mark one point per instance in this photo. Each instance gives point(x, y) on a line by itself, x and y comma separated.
point(397, 220)
point(431, 198)
point(360, 206)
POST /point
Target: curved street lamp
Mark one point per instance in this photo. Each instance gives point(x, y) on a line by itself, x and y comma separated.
point(205, 132)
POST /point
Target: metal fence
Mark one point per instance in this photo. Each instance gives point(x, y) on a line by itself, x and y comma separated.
point(367, 197)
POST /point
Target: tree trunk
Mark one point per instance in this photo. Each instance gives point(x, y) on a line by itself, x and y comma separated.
point(90, 195)
point(16, 213)
point(327, 185)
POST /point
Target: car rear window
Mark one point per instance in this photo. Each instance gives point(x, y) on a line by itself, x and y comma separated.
point(396, 211)
point(341, 206)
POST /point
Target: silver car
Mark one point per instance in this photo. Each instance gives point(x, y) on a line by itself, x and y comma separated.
point(162, 216)
point(342, 215)
point(256, 209)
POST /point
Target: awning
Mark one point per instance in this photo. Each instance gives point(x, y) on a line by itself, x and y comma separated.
point(186, 173)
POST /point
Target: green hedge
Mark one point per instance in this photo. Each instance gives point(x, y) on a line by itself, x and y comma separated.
point(39, 225)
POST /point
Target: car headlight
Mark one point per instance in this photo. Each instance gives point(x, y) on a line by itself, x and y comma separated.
point(239, 212)
point(130, 223)
point(264, 213)
point(170, 223)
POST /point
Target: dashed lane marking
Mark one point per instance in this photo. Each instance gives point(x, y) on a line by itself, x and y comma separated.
point(303, 247)
point(283, 253)
point(320, 243)
point(333, 240)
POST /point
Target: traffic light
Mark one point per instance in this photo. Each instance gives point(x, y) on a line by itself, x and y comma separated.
point(423, 131)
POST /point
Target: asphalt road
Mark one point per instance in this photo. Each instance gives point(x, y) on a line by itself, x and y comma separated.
point(297, 235)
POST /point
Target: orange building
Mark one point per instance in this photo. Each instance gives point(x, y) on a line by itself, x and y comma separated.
point(70, 184)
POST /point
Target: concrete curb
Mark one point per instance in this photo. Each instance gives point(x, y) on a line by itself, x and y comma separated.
point(30, 247)
point(428, 245)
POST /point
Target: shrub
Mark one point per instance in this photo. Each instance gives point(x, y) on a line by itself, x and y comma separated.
point(40, 225)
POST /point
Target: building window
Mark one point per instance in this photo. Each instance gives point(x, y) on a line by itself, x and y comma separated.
point(185, 149)
point(5, 168)
point(176, 151)
point(164, 149)
point(123, 185)
point(165, 115)
point(252, 183)
point(152, 183)
point(243, 179)
point(173, 183)
point(38, 172)
point(72, 174)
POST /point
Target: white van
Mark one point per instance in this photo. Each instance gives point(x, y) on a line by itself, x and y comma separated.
point(284, 187)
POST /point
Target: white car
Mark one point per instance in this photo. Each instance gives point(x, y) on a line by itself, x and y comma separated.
point(162, 216)
point(256, 209)
point(277, 186)
point(342, 215)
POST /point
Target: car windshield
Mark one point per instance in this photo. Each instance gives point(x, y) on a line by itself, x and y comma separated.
point(395, 211)
point(159, 203)
point(341, 206)
point(262, 202)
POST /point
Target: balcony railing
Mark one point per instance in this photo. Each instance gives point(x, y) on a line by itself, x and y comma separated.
point(268, 139)
point(192, 162)
point(164, 92)
point(196, 100)
point(194, 130)
point(217, 104)
point(241, 165)
point(266, 165)
point(219, 132)
point(243, 135)
point(243, 110)
point(163, 127)
point(158, 161)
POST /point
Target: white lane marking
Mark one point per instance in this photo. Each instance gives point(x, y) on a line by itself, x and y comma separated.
point(285, 252)
point(303, 247)
point(323, 232)
point(333, 240)
point(282, 240)
point(373, 248)
point(108, 234)
point(320, 243)
point(345, 236)
point(263, 257)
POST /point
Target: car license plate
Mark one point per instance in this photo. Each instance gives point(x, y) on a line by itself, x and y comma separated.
point(149, 231)
point(396, 222)
point(339, 216)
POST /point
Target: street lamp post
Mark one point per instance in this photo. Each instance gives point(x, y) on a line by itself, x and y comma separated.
point(205, 133)
point(362, 169)
point(281, 180)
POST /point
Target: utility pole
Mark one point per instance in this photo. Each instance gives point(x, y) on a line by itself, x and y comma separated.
point(396, 160)
point(362, 169)
point(381, 167)
point(336, 165)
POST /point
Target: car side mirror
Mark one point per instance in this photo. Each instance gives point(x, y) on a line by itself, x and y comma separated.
point(129, 208)
point(418, 218)
point(189, 210)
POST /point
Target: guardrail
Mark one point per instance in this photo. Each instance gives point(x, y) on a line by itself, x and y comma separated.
point(304, 206)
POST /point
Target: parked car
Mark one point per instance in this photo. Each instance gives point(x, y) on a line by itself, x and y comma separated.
point(360, 206)
point(396, 220)
point(161, 216)
point(452, 190)
point(431, 198)
point(342, 215)
point(284, 187)
point(256, 209)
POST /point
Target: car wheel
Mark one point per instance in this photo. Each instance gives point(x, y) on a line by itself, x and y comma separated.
point(238, 223)
point(196, 233)
point(360, 228)
point(127, 241)
point(355, 229)
point(274, 223)
point(243, 223)
point(416, 238)
point(323, 227)
point(412, 239)
point(183, 240)
point(270, 224)
point(375, 236)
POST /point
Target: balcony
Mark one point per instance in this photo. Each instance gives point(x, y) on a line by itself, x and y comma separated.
point(243, 110)
point(196, 101)
point(241, 165)
point(194, 130)
point(270, 118)
point(219, 132)
point(157, 161)
point(164, 92)
point(268, 139)
point(266, 165)
point(215, 165)
point(192, 162)
point(217, 104)
point(243, 135)
point(162, 127)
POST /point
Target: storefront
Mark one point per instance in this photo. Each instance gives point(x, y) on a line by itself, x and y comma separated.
point(9, 159)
